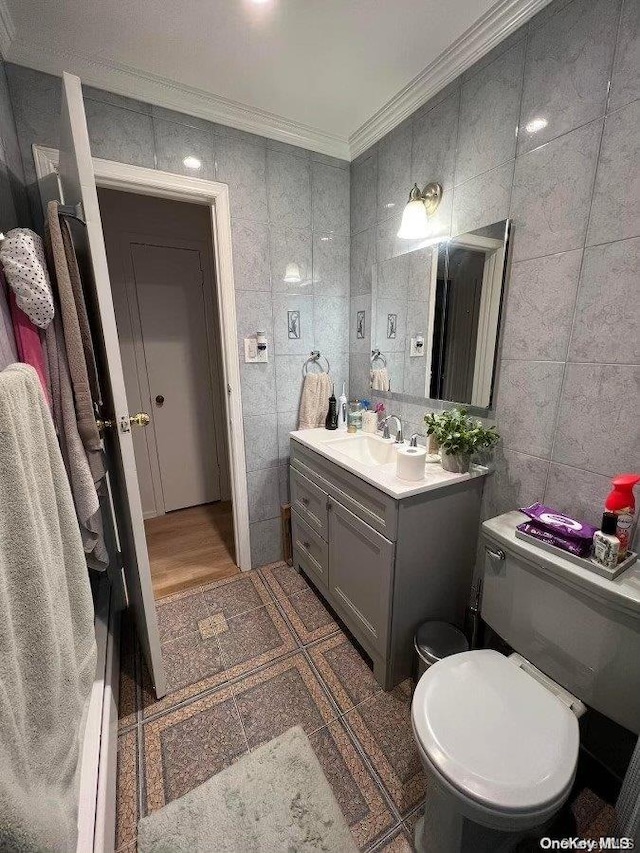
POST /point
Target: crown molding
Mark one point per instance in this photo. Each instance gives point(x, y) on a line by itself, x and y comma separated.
point(499, 22)
point(7, 29)
point(145, 86)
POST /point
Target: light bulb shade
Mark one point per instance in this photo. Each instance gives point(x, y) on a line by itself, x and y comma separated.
point(292, 274)
point(415, 222)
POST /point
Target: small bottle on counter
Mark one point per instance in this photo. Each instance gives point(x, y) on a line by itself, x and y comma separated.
point(606, 544)
point(354, 418)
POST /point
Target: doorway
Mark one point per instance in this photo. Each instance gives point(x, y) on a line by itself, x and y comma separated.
point(159, 255)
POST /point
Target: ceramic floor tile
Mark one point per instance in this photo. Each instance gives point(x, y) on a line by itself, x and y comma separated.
point(127, 700)
point(179, 614)
point(283, 580)
point(189, 745)
point(310, 618)
point(127, 790)
point(254, 639)
point(236, 595)
point(280, 696)
point(344, 671)
point(359, 797)
point(382, 725)
point(193, 664)
point(191, 659)
point(397, 842)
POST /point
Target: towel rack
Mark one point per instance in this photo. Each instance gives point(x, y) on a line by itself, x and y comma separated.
point(314, 358)
point(376, 355)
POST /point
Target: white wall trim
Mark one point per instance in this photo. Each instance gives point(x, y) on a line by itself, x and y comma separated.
point(7, 29)
point(161, 91)
point(492, 28)
point(122, 176)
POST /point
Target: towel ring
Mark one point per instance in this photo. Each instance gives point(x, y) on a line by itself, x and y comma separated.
point(376, 355)
point(314, 358)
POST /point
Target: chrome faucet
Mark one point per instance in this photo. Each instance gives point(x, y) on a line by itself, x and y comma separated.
point(385, 428)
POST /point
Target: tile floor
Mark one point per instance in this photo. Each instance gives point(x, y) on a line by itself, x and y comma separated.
point(247, 658)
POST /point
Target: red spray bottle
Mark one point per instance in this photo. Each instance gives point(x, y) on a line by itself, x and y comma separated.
point(622, 502)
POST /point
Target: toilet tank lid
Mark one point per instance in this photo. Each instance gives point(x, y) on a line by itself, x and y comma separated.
point(621, 593)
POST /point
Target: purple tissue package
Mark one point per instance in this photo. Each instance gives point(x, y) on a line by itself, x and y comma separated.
point(557, 529)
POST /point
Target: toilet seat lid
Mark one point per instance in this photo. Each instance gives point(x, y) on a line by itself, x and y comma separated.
point(494, 732)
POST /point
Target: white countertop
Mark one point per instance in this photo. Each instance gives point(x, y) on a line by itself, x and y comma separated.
point(383, 477)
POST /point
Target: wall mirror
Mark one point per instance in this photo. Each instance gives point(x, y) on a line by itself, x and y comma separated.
point(435, 319)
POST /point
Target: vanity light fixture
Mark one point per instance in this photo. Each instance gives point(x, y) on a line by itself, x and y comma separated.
point(421, 205)
point(192, 163)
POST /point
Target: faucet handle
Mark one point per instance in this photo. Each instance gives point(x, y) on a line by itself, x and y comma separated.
point(385, 431)
point(413, 441)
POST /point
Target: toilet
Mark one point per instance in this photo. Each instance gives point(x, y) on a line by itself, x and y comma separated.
point(498, 735)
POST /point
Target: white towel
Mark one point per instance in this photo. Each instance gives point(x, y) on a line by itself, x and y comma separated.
point(314, 403)
point(22, 256)
point(47, 640)
point(380, 379)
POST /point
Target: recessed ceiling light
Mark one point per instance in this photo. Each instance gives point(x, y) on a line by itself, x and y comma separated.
point(192, 163)
point(260, 2)
point(535, 125)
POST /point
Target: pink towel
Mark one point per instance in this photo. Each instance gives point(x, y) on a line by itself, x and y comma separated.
point(28, 344)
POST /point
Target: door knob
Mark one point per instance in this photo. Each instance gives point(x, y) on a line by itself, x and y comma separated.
point(159, 400)
point(140, 419)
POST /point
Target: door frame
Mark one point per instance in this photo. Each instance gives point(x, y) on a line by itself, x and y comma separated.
point(215, 195)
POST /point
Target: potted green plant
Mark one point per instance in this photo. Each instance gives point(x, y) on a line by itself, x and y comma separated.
point(459, 436)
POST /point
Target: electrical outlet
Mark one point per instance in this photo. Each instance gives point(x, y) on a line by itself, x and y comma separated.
point(417, 346)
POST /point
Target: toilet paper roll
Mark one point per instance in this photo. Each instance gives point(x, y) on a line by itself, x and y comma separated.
point(410, 462)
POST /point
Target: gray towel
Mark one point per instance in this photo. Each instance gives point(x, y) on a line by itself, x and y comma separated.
point(47, 641)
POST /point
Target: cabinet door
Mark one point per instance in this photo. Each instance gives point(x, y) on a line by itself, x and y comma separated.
point(360, 574)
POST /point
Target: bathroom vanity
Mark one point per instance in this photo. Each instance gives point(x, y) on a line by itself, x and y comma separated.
point(385, 554)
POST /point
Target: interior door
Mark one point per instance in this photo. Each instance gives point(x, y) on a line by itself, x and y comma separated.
point(169, 286)
point(78, 185)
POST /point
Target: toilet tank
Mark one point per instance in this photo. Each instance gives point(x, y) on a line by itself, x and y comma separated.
point(581, 629)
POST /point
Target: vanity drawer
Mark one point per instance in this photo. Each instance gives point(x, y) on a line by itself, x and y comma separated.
point(374, 507)
point(310, 551)
point(309, 502)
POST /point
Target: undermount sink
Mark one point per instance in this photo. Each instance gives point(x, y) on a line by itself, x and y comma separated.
point(366, 449)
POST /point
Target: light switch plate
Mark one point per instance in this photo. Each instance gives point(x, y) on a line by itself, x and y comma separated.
point(252, 355)
point(417, 347)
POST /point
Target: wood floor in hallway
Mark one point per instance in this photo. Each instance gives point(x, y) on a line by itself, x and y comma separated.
point(190, 547)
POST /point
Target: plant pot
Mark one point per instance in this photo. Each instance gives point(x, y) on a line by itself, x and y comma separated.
point(457, 463)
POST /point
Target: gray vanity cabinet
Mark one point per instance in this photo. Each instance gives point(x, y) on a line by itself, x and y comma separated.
point(383, 565)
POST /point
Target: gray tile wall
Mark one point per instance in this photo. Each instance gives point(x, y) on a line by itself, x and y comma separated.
point(287, 205)
point(568, 394)
point(13, 199)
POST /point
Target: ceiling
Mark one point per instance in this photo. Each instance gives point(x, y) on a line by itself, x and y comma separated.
point(328, 74)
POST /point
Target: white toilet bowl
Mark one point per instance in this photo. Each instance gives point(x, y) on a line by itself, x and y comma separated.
point(499, 749)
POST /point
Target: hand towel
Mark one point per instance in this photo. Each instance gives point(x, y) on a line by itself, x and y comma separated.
point(29, 345)
point(22, 256)
point(67, 276)
point(314, 403)
point(47, 640)
point(380, 379)
point(84, 482)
